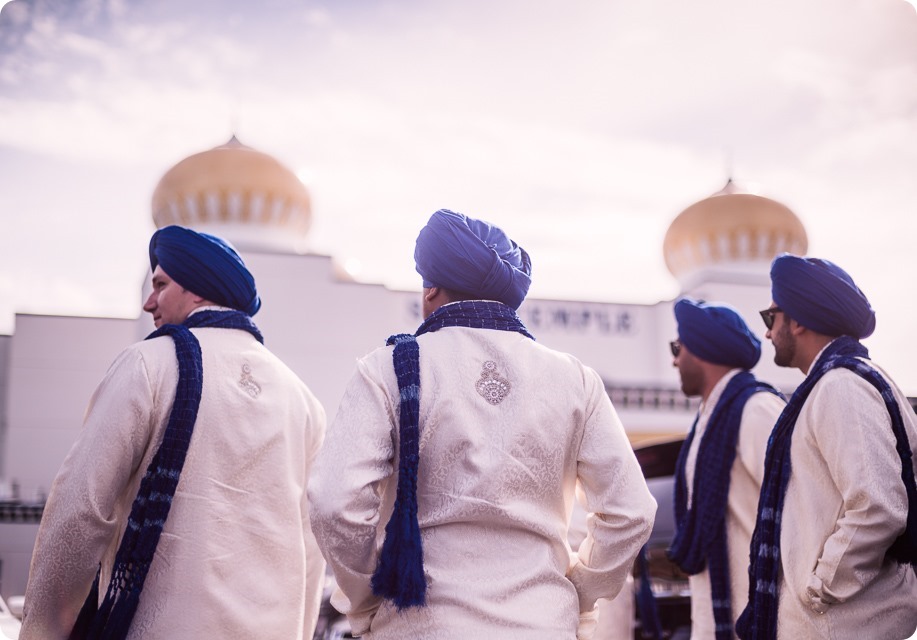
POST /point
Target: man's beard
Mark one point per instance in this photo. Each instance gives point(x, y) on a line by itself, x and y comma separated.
point(785, 351)
point(690, 381)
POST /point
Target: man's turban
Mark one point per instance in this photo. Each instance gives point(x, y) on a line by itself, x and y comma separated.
point(716, 333)
point(205, 265)
point(821, 296)
point(473, 257)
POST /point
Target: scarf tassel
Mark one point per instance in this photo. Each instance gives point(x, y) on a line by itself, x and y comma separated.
point(399, 575)
point(121, 616)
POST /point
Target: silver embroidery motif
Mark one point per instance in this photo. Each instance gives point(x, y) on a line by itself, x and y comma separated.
point(248, 383)
point(491, 385)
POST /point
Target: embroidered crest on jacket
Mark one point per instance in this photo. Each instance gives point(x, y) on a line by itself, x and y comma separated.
point(248, 383)
point(491, 385)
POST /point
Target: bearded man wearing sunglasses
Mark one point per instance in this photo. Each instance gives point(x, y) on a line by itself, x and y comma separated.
point(721, 464)
point(837, 517)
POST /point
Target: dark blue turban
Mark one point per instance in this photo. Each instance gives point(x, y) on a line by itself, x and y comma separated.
point(205, 265)
point(716, 333)
point(821, 296)
point(473, 257)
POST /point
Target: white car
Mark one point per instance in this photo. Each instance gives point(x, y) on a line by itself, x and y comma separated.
point(9, 623)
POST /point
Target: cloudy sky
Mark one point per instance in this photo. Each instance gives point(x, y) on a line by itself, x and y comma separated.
point(581, 126)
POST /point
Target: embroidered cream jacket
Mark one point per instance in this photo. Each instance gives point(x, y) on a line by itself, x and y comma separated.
point(495, 490)
point(758, 419)
point(236, 558)
point(845, 504)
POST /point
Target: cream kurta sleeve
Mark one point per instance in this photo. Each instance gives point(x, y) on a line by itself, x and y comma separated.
point(845, 418)
point(315, 565)
point(621, 506)
point(79, 521)
point(345, 506)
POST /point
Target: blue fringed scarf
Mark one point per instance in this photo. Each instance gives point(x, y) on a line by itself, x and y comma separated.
point(112, 619)
point(700, 540)
point(759, 620)
point(647, 611)
point(399, 575)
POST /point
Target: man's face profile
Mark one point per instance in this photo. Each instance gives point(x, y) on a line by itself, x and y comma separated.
point(169, 302)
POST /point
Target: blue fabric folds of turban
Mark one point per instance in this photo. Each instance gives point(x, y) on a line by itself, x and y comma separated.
point(473, 257)
point(821, 296)
point(207, 266)
point(716, 333)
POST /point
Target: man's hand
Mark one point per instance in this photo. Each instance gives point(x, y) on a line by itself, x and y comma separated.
point(588, 621)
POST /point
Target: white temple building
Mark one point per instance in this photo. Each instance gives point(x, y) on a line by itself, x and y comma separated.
point(314, 316)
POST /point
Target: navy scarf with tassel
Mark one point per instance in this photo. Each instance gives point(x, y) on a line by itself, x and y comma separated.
point(399, 574)
point(700, 540)
point(112, 619)
point(759, 620)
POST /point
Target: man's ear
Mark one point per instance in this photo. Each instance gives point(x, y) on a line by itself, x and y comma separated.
point(201, 302)
point(797, 329)
point(431, 294)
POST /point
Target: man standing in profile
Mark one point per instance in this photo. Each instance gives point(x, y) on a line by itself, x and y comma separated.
point(181, 509)
point(721, 465)
point(465, 442)
point(836, 534)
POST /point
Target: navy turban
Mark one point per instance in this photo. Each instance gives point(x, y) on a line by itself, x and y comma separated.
point(205, 265)
point(473, 257)
point(821, 296)
point(716, 333)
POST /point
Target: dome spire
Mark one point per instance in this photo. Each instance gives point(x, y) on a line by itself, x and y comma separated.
point(233, 143)
point(729, 188)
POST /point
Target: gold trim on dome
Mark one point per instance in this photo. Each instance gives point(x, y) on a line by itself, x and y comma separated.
point(235, 185)
point(731, 227)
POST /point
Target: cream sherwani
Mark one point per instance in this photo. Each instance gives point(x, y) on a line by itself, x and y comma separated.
point(845, 504)
point(495, 491)
point(758, 418)
point(616, 617)
point(236, 558)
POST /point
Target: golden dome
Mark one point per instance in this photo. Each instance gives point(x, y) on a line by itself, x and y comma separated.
point(731, 228)
point(238, 193)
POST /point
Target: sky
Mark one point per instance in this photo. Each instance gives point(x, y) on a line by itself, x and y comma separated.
point(583, 127)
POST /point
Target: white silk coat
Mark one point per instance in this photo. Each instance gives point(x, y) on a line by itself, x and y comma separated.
point(758, 419)
point(845, 504)
point(236, 558)
point(495, 490)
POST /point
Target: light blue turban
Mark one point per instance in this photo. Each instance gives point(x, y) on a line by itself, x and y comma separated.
point(472, 257)
point(205, 265)
point(716, 333)
point(821, 296)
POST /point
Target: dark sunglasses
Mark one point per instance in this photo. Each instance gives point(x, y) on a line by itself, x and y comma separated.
point(675, 346)
point(768, 316)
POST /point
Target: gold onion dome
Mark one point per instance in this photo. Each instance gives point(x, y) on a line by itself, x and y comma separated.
point(238, 193)
point(731, 229)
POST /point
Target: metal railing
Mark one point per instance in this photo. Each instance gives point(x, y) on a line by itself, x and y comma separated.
point(657, 398)
point(650, 398)
point(17, 512)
